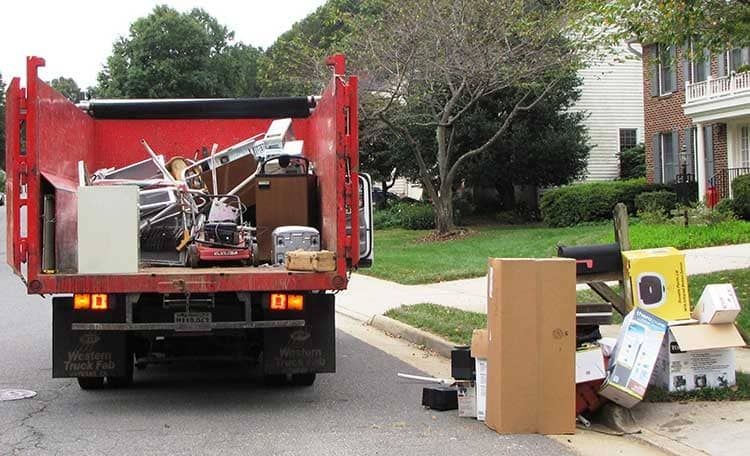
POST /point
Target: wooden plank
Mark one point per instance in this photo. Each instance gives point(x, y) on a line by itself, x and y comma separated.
point(622, 232)
point(622, 235)
point(609, 295)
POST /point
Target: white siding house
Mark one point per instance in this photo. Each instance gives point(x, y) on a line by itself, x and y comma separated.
point(612, 96)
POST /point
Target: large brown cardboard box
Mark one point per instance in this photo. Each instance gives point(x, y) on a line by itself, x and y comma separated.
point(531, 314)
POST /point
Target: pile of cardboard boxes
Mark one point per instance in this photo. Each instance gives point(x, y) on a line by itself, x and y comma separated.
point(529, 375)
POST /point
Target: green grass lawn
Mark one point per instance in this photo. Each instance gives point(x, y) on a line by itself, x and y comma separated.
point(457, 325)
point(401, 256)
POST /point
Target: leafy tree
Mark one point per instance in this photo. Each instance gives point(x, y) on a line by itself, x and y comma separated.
point(385, 156)
point(710, 24)
point(173, 54)
point(67, 87)
point(295, 63)
point(2, 124)
point(437, 64)
point(545, 146)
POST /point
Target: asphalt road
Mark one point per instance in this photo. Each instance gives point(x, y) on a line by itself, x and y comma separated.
point(221, 409)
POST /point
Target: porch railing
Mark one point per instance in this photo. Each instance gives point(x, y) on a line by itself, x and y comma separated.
point(713, 88)
point(722, 180)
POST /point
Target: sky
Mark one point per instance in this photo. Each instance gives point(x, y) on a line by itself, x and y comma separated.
point(75, 36)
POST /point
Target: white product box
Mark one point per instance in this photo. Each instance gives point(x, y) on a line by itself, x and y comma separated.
point(481, 387)
point(718, 304)
point(634, 357)
point(108, 234)
point(697, 356)
point(589, 364)
point(467, 399)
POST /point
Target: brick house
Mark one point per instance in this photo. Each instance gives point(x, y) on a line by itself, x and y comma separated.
point(697, 117)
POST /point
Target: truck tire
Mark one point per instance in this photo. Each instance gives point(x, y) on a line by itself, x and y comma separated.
point(123, 381)
point(274, 380)
point(303, 379)
point(90, 383)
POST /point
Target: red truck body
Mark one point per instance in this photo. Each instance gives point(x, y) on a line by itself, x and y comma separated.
point(163, 313)
point(58, 135)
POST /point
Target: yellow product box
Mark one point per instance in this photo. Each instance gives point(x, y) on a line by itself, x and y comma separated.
point(658, 282)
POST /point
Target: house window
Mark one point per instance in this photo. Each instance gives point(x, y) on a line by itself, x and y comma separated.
point(736, 58)
point(699, 65)
point(669, 157)
point(744, 147)
point(628, 138)
point(666, 69)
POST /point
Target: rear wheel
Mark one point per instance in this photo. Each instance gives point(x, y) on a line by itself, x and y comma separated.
point(122, 381)
point(274, 379)
point(89, 383)
point(303, 379)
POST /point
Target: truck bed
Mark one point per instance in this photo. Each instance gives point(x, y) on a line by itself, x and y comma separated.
point(58, 135)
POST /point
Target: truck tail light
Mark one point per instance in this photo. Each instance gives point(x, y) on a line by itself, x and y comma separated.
point(85, 301)
point(295, 302)
point(281, 301)
point(81, 301)
point(99, 302)
point(278, 301)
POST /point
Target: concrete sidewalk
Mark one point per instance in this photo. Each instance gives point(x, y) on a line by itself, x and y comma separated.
point(368, 296)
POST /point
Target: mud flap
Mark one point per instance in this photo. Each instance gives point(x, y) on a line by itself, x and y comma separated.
point(311, 349)
point(85, 353)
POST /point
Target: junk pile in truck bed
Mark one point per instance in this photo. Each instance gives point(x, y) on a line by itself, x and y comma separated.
point(250, 203)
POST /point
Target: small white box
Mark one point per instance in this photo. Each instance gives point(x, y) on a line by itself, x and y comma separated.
point(697, 356)
point(467, 399)
point(589, 364)
point(481, 387)
point(718, 304)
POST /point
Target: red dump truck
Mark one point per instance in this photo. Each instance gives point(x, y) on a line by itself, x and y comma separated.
point(105, 324)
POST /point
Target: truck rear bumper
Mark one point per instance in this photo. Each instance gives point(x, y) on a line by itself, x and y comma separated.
point(104, 344)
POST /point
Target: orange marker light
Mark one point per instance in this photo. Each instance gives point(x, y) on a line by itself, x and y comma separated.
point(295, 302)
point(278, 301)
point(99, 302)
point(81, 301)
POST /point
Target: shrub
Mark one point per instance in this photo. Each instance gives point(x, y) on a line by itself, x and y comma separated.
point(741, 192)
point(633, 162)
point(726, 207)
point(700, 214)
point(661, 201)
point(576, 203)
point(418, 217)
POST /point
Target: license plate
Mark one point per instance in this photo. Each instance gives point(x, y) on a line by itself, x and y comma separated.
point(192, 321)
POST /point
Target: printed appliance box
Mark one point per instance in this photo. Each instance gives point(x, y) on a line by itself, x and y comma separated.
point(718, 304)
point(634, 357)
point(479, 353)
point(697, 356)
point(657, 282)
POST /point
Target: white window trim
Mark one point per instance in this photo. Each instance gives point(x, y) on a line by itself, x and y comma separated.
point(619, 137)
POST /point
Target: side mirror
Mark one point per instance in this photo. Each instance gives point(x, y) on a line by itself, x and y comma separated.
point(366, 231)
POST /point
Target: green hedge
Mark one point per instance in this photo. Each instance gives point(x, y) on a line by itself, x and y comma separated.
point(404, 214)
point(741, 193)
point(573, 204)
point(662, 201)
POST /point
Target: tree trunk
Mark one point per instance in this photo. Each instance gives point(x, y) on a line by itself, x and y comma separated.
point(444, 212)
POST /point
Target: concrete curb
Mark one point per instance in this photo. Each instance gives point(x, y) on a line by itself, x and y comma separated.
point(416, 336)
